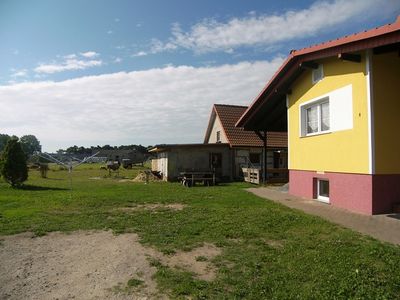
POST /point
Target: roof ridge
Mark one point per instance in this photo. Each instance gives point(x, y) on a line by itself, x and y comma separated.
point(230, 105)
point(395, 24)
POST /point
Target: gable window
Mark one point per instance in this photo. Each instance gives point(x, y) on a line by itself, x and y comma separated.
point(218, 136)
point(315, 117)
point(317, 74)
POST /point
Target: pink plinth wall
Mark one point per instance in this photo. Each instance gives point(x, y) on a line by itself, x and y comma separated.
point(361, 193)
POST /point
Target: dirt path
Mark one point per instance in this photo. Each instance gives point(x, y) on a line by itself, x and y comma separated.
point(90, 265)
point(81, 265)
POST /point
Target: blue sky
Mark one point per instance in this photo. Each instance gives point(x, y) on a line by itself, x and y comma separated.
point(122, 72)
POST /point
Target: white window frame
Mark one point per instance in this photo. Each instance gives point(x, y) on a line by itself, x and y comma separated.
point(319, 196)
point(303, 117)
point(314, 72)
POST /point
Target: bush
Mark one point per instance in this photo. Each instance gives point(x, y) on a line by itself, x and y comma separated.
point(13, 166)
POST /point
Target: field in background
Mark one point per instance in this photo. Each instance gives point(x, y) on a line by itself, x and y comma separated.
point(268, 251)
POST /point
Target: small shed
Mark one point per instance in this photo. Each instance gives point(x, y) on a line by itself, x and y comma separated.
point(173, 159)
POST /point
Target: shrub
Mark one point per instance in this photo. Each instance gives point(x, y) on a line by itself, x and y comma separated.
point(13, 166)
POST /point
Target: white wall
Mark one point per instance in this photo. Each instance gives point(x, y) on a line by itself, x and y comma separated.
point(217, 126)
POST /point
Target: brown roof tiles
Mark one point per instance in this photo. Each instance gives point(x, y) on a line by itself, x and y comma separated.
point(230, 114)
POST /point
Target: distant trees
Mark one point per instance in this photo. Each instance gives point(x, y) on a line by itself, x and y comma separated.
point(13, 166)
point(30, 144)
point(87, 151)
point(4, 138)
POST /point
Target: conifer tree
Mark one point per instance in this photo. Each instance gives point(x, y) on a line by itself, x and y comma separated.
point(13, 166)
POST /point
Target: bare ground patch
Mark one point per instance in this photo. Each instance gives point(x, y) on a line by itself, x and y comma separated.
point(81, 265)
point(90, 265)
point(153, 206)
point(196, 261)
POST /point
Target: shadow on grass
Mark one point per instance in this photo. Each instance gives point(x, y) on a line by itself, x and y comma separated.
point(28, 187)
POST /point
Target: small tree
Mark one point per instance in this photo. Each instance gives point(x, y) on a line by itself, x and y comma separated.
point(13, 165)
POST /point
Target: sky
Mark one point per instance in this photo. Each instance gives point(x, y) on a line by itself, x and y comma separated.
point(87, 73)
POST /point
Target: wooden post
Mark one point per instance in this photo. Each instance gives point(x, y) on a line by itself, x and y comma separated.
point(265, 158)
point(263, 137)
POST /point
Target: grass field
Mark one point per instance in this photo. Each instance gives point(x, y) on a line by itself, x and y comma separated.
point(268, 251)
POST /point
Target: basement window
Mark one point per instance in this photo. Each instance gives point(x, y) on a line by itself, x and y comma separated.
point(323, 190)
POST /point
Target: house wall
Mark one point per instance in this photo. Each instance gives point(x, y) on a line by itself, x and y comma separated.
point(349, 191)
point(160, 164)
point(217, 126)
point(344, 150)
point(190, 159)
point(361, 161)
point(242, 157)
point(386, 108)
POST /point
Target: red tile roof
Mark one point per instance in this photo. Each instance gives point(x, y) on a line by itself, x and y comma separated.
point(368, 39)
point(229, 114)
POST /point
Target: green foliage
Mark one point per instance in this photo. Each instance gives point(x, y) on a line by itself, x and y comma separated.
point(87, 151)
point(133, 282)
point(268, 251)
point(30, 144)
point(4, 138)
point(201, 258)
point(13, 165)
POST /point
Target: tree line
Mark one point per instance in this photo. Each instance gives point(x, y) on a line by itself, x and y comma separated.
point(88, 150)
point(29, 143)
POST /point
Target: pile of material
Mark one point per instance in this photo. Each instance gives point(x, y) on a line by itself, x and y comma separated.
point(145, 176)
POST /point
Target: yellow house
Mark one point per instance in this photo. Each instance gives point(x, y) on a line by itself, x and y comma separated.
point(340, 104)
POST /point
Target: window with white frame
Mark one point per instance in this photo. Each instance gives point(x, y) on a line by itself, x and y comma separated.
point(323, 190)
point(315, 117)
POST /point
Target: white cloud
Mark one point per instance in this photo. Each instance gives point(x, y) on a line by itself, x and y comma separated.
point(140, 53)
point(165, 105)
point(211, 35)
point(19, 73)
point(70, 56)
point(117, 60)
point(67, 65)
point(89, 54)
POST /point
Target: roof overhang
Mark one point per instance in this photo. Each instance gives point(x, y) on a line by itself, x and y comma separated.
point(268, 111)
point(167, 147)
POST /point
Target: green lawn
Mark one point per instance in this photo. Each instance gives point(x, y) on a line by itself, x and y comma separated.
point(268, 251)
